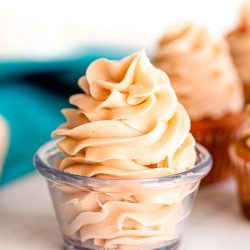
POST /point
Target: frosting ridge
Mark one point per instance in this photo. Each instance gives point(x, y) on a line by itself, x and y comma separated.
point(238, 40)
point(201, 71)
point(127, 124)
point(128, 115)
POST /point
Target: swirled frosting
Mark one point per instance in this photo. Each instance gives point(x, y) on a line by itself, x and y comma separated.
point(245, 15)
point(201, 71)
point(127, 124)
point(126, 220)
point(239, 41)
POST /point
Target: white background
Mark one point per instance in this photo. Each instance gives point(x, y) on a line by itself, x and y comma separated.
point(52, 27)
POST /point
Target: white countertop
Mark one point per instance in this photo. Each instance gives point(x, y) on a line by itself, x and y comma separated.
point(27, 220)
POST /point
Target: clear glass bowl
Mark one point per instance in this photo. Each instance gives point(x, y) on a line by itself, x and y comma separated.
point(98, 213)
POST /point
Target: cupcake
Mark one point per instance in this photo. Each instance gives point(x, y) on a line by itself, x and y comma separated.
point(126, 168)
point(206, 83)
point(239, 41)
point(240, 155)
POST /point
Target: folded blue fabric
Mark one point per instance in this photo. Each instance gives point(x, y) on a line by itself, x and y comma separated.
point(31, 96)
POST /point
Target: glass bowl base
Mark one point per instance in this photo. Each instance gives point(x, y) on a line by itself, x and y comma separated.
point(71, 244)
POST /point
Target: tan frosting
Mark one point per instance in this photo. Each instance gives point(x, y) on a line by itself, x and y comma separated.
point(128, 118)
point(239, 41)
point(136, 218)
point(128, 124)
point(201, 71)
point(4, 131)
point(245, 15)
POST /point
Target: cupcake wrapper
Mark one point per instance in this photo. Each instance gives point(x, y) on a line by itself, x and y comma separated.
point(241, 171)
point(247, 92)
point(216, 136)
point(217, 142)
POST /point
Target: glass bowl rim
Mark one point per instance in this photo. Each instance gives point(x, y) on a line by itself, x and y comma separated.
point(51, 173)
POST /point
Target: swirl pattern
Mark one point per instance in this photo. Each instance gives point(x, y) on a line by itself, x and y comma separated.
point(240, 46)
point(201, 71)
point(128, 124)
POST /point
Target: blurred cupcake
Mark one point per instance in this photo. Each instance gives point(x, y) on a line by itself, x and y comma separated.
point(240, 155)
point(206, 83)
point(239, 41)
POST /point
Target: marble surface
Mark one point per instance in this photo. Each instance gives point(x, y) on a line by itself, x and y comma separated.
point(27, 221)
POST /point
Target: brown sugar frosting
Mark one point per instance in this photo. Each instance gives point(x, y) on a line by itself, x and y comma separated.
point(127, 120)
point(200, 70)
point(127, 124)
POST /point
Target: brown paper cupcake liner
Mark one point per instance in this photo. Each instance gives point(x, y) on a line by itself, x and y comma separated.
point(247, 92)
point(216, 136)
point(217, 143)
point(242, 174)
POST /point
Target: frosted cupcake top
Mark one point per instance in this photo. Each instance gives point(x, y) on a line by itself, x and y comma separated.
point(239, 41)
point(201, 71)
point(127, 123)
point(245, 15)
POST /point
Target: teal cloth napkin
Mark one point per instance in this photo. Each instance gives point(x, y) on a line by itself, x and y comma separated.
point(31, 96)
